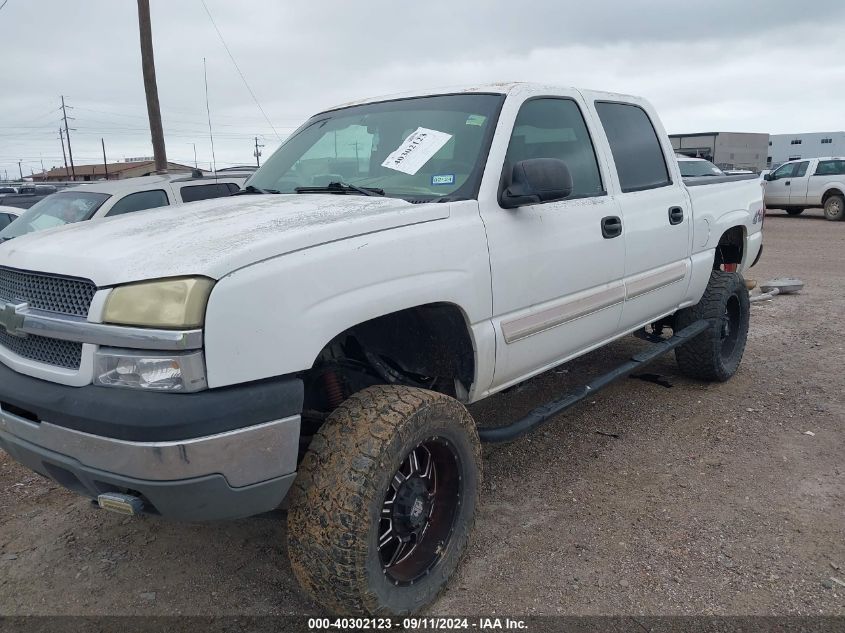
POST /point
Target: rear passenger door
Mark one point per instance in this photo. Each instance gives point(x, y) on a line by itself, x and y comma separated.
point(556, 279)
point(656, 214)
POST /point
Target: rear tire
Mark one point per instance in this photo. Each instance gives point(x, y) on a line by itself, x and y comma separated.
point(834, 208)
point(795, 211)
point(715, 354)
point(393, 467)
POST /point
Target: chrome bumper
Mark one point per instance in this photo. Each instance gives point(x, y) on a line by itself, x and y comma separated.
point(243, 457)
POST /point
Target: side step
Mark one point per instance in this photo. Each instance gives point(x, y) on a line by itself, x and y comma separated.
point(544, 412)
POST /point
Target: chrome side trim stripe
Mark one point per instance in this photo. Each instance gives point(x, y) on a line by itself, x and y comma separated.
point(568, 309)
point(654, 279)
point(80, 330)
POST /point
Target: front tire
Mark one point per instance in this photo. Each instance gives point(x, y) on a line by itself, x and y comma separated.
point(384, 502)
point(834, 208)
point(715, 354)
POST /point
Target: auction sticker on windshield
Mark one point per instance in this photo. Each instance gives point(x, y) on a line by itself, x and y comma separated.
point(416, 150)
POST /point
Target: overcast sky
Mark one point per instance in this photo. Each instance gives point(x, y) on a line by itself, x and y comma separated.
point(775, 66)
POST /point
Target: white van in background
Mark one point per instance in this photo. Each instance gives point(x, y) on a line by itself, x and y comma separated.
point(110, 198)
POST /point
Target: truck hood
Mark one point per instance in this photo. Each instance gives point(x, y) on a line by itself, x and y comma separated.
point(211, 238)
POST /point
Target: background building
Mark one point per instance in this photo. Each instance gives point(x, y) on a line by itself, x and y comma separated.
point(784, 147)
point(728, 150)
point(116, 171)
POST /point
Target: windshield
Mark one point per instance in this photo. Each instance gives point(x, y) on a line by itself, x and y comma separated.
point(57, 209)
point(691, 168)
point(419, 149)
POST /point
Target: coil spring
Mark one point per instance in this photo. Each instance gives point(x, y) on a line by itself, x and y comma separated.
point(334, 390)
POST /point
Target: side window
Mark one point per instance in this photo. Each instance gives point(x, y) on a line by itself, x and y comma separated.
point(785, 171)
point(636, 150)
point(830, 168)
point(192, 193)
point(802, 169)
point(555, 128)
point(233, 187)
point(5, 220)
point(138, 202)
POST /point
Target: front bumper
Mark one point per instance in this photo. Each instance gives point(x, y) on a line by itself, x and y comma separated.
point(217, 454)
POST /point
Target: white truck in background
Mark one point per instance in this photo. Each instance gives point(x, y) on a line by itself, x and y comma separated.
point(110, 198)
point(814, 182)
point(321, 332)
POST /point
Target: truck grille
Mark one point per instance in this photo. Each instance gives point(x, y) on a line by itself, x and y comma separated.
point(50, 351)
point(50, 293)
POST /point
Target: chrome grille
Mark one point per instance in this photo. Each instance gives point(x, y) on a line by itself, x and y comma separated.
point(52, 293)
point(44, 350)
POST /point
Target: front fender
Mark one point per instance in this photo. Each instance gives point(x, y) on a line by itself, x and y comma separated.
point(274, 317)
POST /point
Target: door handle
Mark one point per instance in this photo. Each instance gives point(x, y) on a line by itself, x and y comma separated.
point(676, 215)
point(786, 183)
point(611, 227)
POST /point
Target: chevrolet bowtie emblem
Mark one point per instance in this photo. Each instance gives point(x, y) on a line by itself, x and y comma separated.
point(12, 317)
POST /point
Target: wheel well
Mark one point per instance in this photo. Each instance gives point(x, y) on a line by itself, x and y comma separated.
point(730, 248)
point(830, 192)
point(428, 346)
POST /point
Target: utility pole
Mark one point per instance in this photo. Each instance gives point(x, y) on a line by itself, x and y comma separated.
point(20, 169)
point(105, 162)
point(257, 153)
point(62, 137)
point(196, 165)
point(150, 87)
point(67, 134)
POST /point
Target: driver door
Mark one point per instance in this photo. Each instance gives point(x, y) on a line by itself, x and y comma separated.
point(777, 189)
point(556, 279)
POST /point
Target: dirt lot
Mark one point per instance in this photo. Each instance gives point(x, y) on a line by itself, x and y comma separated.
point(713, 499)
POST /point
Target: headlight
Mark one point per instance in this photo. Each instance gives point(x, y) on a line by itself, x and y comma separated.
point(156, 371)
point(168, 303)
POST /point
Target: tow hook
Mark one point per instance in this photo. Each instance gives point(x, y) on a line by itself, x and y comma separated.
point(121, 503)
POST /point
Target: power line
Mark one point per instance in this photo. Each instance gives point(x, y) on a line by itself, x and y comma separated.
point(208, 111)
point(4, 4)
point(238, 68)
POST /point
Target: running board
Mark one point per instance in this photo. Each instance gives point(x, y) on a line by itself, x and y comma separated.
point(545, 412)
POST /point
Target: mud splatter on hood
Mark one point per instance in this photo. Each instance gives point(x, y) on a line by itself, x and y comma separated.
point(211, 238)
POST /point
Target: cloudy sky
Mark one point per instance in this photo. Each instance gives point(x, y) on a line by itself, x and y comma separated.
point(741, 65)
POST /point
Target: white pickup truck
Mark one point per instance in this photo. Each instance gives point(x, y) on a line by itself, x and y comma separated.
point(803, 184)
point(321, 332)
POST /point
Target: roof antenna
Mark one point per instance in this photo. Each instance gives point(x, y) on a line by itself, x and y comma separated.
point(208, 111)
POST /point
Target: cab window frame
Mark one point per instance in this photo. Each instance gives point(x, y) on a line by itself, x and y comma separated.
point(112, 214)
point(507, 167)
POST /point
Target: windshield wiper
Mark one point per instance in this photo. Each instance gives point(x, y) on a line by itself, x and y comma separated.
point(342, 187)
point(253, 189)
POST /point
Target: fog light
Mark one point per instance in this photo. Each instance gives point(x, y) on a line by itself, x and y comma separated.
point(155, 371)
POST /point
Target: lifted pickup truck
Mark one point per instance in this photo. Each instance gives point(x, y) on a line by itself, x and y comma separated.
point(803, 184)
point(319, 333)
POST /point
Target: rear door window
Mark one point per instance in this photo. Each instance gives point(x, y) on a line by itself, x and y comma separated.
point(639, 159)
point(5, 220)
point(139, 202)
point(192, 193)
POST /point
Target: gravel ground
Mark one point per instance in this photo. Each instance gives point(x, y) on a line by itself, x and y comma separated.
point(704, 499)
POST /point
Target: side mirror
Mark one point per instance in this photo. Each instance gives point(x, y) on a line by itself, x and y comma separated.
point(537, 180)
point(768, 176)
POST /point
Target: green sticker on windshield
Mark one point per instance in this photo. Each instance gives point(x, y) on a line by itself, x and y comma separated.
point(476, 119)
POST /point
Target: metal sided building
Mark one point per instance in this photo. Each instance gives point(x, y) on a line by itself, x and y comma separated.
point(784, 147)
point(728, 150)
